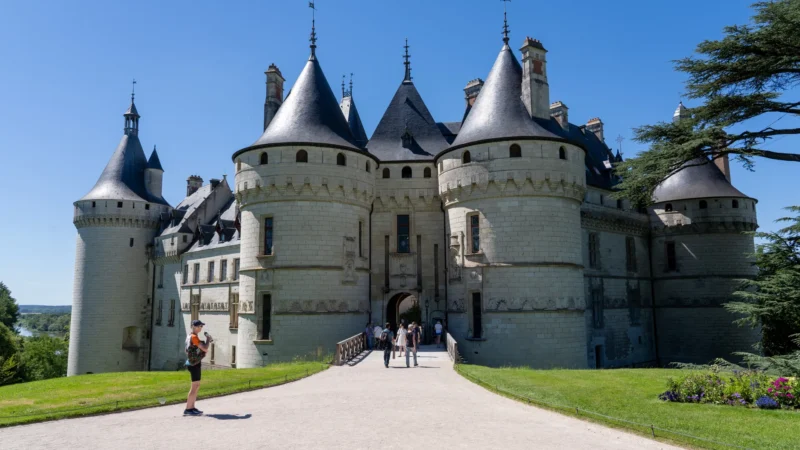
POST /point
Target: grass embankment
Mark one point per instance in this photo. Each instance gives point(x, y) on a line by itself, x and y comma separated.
point(632, 395)
point(82, 395)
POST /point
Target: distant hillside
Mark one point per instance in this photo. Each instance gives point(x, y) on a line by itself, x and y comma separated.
point(45, 309)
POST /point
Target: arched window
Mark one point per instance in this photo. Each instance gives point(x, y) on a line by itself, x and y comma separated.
point(406, 172)
point(385, 172)
point(427, 172)
point(562, 153)
point(368, 167)
point(238, 165)
point(668, 207)
point(341, 160)
point(515, 151)
point(302, 156)
point(466, 157)
point(703, 204)
point(735, 203)
point(264, 159)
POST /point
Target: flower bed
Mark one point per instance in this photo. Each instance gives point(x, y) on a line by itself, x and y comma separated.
point(749, 388)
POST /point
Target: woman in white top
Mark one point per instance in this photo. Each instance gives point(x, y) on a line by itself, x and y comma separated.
point(400, 340)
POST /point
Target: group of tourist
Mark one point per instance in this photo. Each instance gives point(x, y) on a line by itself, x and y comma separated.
point(407, 340)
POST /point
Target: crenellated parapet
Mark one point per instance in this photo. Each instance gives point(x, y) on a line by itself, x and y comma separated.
point(615, 221)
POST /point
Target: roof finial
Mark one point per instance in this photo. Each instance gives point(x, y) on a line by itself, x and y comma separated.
point(343, 91)
point(505, 22)
point(313, 29)
point(133, 89)
point(351, 84)
point(407, 63)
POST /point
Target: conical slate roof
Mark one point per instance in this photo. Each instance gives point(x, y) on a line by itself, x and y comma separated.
point(699, 178)
point(309, 115)
point(407, 115)
point(350, 113)
point(123, 177)
point(498, 112)
point(131, 111)
point(154, 162)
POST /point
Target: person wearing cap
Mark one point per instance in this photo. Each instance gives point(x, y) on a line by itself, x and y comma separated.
point(193, 346)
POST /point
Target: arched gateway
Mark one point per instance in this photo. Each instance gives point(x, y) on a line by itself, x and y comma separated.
point(399, 304)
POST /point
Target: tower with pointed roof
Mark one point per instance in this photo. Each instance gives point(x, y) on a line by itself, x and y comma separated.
point(304, 188)
point(116, 222)
point(700, 249)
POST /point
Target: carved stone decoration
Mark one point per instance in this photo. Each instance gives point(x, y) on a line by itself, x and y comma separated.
point(455, 263)
point(349, 275)
point(456, 305)
point(265, 278)
point(526, 304)
point(247, 308)
point(474, 277)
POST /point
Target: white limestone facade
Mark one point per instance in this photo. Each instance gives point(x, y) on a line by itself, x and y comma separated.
point(308, 287)
point(521, 280)
point(111, 297)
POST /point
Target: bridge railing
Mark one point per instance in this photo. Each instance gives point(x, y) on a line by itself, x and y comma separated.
point(350, 348)
point(452, 348)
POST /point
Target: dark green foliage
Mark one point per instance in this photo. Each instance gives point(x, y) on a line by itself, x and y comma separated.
point(9, 356)
point(747, 74)
point(412, 314)
point(9, 311)
point(44, 357)
point(54, 323)
point(45, 309)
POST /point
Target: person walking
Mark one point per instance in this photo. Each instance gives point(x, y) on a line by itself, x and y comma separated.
point(400, 340)
point(386, 341)
point(412, 338)
point(438, 328)
point(195, 352)
point(376, 334)
point(370, 336)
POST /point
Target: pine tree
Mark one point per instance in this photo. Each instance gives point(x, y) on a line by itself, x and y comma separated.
point(9, 311)
point(747, 74)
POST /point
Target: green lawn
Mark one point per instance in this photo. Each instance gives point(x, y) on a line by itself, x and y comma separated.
point(632, 395)
point(59, 398)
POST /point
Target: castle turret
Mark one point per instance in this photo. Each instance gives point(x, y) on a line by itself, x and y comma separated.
point(700, 250)
point(512, 191)
point(304, 190)
point(153, 175)
point(116, 222)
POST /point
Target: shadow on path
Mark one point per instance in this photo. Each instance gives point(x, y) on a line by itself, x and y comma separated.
point(228, 416)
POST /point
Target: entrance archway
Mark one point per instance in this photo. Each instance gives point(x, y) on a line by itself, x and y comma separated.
point(398, 304)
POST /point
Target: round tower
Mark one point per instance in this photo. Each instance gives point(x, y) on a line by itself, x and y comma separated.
point(116, 222)
point(512, 186)
point(700, 251)
point(305, 188)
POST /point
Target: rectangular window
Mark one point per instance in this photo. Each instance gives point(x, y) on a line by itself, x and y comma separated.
point(236, 269)
point(233, 310)
point(223, 270)
point(233, 356)
point(160, 312)
point(185, 273)
point(268, 236)
point(475, 233)
point(195, 306)
point(597, 307)
point(171, 322)
point(477, 325)
point(403, 232)
point(630, 253)
point(196, 275)
point(594, 251)
point(672, 261)
point(210, 271)
point(160, 277)
point(264, 317)
point(360, 236)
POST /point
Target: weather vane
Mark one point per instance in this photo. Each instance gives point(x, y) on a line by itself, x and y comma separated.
point(133, 89)
point(505, 22)
point(619, 143)
point(313, 28)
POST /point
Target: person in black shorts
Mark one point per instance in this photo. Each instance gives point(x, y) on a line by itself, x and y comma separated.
point(195, 350)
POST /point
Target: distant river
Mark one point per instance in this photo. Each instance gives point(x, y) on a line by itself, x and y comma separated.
point(26, 332)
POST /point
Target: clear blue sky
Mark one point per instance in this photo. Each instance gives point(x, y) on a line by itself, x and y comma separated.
point(67, 67)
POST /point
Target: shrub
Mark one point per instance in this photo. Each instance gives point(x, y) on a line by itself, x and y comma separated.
point(742, 388)
point(766, 403)
point(782, 392)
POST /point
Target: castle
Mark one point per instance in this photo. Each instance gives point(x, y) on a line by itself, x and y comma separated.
point(502, 225)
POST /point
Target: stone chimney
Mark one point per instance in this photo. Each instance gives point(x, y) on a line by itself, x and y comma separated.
point(535, 90)
point(472, 90)
point(559, 111)
point(193, 183)
point(596, 126)
point(724, 165)
point(274, 93)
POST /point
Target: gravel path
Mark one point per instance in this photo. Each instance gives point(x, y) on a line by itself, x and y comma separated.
point(365, 406)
